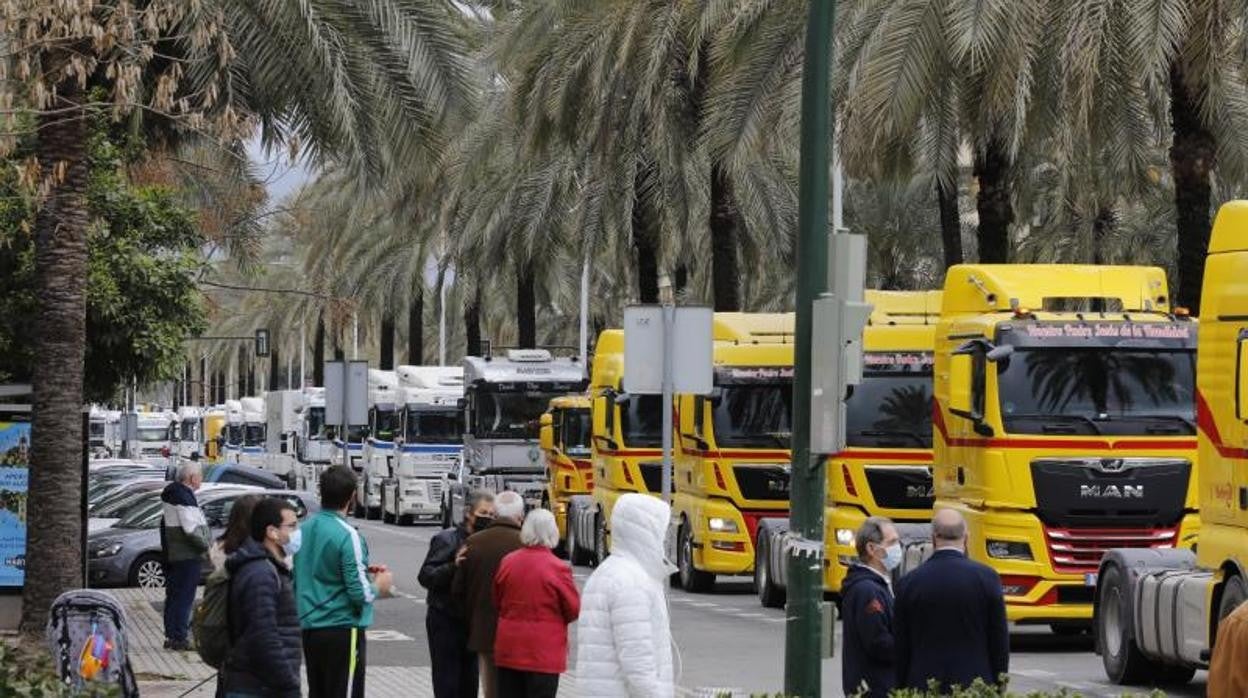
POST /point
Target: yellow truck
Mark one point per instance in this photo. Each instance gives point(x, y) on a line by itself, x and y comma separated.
point(731, 460)
point(1064, 425)
point(564, 439)
point(1157, 611)
point(885, 469)
point(626, 450)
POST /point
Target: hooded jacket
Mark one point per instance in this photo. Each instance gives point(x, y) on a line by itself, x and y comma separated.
point(184, 533)
point(266, 648)
point(624, 639)
point(867, 612)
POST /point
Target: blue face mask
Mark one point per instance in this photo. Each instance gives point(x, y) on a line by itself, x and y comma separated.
point(892, 556)
point(296, 540)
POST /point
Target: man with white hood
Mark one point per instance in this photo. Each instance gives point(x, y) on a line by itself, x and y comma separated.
point(624, 638)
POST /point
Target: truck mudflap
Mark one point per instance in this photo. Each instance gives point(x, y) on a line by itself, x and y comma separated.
point(1146, 605)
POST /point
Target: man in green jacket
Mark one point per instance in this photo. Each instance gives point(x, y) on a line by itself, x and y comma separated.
point(335, 588)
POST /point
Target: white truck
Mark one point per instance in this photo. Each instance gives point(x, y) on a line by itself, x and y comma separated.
point(282, 409)
point(252, 452)
point(232, 434)
point(506, 398)
point(190, 432)
point(155, 437)
point(379, 441)
point(102, 432)
point(430, 443)
point(313, 444)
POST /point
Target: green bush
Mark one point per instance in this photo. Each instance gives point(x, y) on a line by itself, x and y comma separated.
point(30, 674)
point(979, 689)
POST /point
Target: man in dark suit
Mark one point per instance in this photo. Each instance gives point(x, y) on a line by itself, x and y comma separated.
point(949, 615)
point(454, 665)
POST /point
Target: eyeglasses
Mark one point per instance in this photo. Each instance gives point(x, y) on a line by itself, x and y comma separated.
point(291, 526)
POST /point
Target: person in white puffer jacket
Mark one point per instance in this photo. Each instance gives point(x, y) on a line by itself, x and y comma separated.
point(624, 638)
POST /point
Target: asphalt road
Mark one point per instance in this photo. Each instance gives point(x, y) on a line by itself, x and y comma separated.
point(724, 639)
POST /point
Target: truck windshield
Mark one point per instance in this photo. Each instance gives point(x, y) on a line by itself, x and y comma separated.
point(509, 415)
point(190, 430)
point(575, 431)
point(641, 420)
point(316, 422)
point(355, 434)
point(151, 434)
point(253, 435)
point(755, 414)
point(97, 429)
point(385, 424)
point(434, 427)
point(234, 434)
point(1099, 390)
point(890, 409)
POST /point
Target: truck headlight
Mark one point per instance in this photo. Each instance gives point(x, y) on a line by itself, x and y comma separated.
point(107, 551)
point(1009, 550)
point(844, 536)
point(721, 525)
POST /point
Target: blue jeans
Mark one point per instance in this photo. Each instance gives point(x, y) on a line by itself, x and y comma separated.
point(181, 578)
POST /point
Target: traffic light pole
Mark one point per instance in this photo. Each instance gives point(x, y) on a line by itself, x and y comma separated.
point(802, 657)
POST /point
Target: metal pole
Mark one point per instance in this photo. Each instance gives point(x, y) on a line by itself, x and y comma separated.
point(802, 661)
point(584, 339)
point(303, 354)
point(442, 324)
point(669, 322)
point(355, 336)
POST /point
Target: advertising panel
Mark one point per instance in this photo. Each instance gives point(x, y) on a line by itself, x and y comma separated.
point(14, 470)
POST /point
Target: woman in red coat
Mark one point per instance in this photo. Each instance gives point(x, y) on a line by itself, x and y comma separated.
point(536, 600)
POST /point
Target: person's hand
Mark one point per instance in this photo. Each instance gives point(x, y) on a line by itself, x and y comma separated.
point(460, 555)
point(375, 569)
point(385, 584)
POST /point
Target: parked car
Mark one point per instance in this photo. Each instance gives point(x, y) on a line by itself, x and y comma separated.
point(104, 483)
point(128, 553)
point(234, 473)
point(114, 505)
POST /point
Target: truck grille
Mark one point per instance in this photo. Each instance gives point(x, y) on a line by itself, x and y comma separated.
point(900, 486)
point(1079, 550)
point(652, 475)
point(1110, 493)
point(762, 482)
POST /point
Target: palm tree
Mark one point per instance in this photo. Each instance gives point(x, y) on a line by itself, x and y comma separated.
point(372, 86)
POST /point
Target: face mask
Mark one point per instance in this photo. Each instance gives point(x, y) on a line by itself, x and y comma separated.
point(292, 545)
point(892, 556)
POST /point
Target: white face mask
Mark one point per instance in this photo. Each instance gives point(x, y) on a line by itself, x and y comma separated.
point(292, 545)
point(892, 556)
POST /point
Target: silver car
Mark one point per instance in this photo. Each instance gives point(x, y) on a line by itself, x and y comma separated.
point(129, 554)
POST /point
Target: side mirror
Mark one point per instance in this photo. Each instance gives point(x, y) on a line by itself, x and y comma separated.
point(546, 434)
point(961, 367)
point(716, 396)
point(622, 398)
point(1000, 352)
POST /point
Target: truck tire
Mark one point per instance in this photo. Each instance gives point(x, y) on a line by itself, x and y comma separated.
point(386, 516)
point(1124, 663)
point(692, 579)
point(770, 594)
point(577, 554)
point(601, 551)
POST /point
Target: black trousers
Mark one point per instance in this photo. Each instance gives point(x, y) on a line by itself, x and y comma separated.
point(455, 673)
point(526, 684)
point(335, 659)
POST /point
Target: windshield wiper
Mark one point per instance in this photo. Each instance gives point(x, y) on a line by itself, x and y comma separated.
point(1091, 423)
point(1163, 418)
point(784, 439)
point(877, 433)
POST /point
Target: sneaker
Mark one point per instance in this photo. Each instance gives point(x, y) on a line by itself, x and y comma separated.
point(168, 644)
point(180, 645)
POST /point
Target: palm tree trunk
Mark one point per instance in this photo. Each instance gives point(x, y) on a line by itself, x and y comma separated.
point(275, 368)
point(472, 322)
point(526, 306)
point(1192, 155)
point(1100, 230)
point(950, 224)
point(386, 350)
point(54, 499)
point(992, 170)
point(318, 353)
point(645, 241)
point(725, 273)
point(416, 328)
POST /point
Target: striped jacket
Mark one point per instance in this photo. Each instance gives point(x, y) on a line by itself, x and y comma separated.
point(332, 584)
point(184, 533)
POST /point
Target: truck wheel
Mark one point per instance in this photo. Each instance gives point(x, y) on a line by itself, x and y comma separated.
point(386, 516)
point(1234, 592)
point(600, 540)
point(1124, 663)
point(692, 579)
point(770, 595)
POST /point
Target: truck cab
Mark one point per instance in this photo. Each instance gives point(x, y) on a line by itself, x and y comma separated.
point(156, 437)
point(213, 433)
point(565, 440)
point(313, 444)
point(1157, 611)
point(190, 432)
point(97, 433)
point(232, 434)
point(506, 397)
point(281, 412)
point(625, 447)
point(430, 442)
point(1064, 425)
point(254, 428)
point(379, 442)
point(731, 465)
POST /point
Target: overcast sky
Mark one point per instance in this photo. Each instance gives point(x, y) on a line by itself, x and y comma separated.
point(277, 172)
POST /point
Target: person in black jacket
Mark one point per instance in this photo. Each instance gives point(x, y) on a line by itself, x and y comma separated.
point(455, 673)
point(266, 648)
point(949, 621)
point(867, 611)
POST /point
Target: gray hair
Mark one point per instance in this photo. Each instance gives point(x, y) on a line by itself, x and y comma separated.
point(509, 505)
point(540, 529)
point(474, 499)
point(187, 470)
point(871, 531)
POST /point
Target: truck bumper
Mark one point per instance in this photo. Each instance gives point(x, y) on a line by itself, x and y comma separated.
point(728, 548)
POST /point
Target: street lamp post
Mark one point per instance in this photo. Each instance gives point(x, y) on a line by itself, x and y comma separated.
point(802, 656)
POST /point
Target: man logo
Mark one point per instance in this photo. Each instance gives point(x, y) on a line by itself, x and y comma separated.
point(1111, 491)
point(920, 491)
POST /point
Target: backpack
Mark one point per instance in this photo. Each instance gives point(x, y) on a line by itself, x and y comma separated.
point(86, 634)
point(210, 623)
